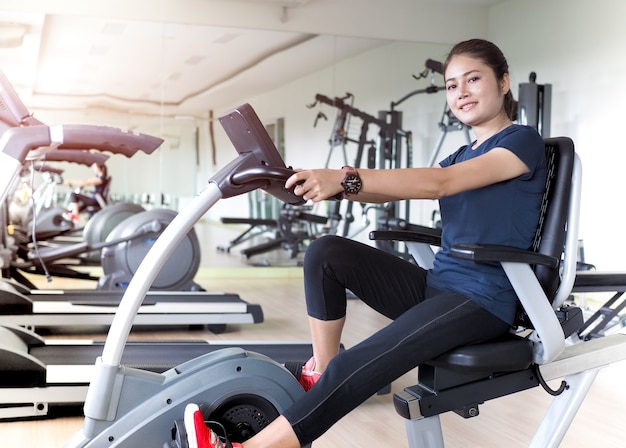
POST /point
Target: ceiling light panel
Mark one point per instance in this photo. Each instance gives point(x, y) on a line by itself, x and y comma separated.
point(171, 61)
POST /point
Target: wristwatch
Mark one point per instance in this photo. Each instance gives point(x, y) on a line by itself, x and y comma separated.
point(351, 182)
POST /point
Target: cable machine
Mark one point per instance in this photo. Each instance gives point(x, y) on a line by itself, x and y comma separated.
point(448, 122)
point(387, 155)
point(535, 105)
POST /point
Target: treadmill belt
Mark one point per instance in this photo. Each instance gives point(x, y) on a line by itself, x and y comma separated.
point(161, 356)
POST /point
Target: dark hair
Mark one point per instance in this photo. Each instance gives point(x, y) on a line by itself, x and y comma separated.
point(491, 55)
point(103, 168)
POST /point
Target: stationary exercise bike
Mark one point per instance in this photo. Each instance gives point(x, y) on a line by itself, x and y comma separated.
point(243, 390)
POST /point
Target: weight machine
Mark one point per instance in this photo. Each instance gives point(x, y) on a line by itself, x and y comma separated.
point(387, 155)
point(535, 105)
point(448, 122)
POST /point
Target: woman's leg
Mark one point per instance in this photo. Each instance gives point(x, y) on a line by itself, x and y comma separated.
point(73, 205)
point(422, 329)
point(79, 202)
point(85, 201)
point(326, 339)
point(333, 264)
point(427, 330)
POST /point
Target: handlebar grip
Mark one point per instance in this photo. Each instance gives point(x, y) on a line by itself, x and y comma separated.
point(105, 138)
point(17, 142)
point(87, 158)
point(435, 66)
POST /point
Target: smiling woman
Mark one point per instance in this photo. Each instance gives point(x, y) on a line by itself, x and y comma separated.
point(471, 86)
point(434, 309)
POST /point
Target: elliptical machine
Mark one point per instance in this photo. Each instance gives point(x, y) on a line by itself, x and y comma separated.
point(38, 217)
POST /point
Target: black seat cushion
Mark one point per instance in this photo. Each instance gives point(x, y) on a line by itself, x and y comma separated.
point(502, 355)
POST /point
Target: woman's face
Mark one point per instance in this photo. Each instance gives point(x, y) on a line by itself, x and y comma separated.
point(473, 93)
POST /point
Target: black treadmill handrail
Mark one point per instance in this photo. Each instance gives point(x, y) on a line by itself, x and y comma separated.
point(84, 157)
point(18, 142)
point(107, 138)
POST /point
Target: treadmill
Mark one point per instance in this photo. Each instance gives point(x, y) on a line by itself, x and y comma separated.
point(175, 300)
point(70, 308)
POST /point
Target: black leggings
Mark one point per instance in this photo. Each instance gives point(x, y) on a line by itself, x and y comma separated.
point(83, 201)
point(426, 323)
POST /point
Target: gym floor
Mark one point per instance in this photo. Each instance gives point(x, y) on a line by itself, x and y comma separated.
point(509, 421)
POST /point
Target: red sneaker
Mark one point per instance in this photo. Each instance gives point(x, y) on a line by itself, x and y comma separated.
point(308, 376)
point(199, 435)
point(71, 217)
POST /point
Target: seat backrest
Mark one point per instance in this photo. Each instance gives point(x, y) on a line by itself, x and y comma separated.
point(107, 188)
point(103, 198)
point(543, 279)
point(551, 231)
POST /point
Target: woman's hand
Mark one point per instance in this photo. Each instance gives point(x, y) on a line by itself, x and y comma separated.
point(316, 185)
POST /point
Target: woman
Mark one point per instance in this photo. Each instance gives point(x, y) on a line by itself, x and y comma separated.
point(78, 201)
point(489, 192)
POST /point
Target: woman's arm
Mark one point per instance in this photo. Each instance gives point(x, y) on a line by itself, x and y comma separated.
point(380, 186)
point(82, 183)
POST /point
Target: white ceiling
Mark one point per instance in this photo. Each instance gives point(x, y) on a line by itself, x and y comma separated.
point(185, 57)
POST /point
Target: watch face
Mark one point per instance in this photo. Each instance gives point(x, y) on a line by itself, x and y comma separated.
point(352, 184)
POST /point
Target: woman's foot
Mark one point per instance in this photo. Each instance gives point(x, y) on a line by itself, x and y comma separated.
point(304, 373)
point(71, 217)
point(309, 376)
point(199, 435)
